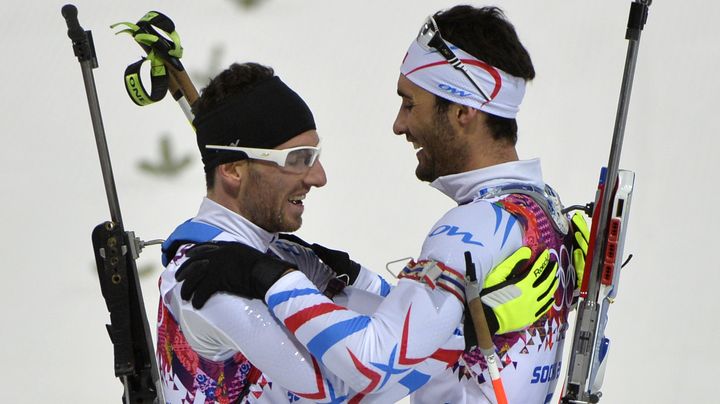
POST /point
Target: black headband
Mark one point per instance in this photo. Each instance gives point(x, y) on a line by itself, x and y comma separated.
point(265, 116)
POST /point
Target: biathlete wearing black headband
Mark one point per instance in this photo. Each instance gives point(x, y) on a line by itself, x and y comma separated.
point(234, 349)
point(268, 114)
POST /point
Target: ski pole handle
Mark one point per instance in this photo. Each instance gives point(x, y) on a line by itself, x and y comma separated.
point(487, 348)
point(180, 85)
point(482, 331)
point(484, 337)
point(179, 97)
point(185, 85)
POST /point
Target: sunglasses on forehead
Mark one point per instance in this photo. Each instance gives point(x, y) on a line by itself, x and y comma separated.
point(295, 159)
point(430, 40)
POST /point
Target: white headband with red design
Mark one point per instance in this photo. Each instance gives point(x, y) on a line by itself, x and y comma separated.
point(432, 72)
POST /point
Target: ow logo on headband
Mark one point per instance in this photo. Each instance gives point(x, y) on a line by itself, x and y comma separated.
point(434, 73)
point(454, 91)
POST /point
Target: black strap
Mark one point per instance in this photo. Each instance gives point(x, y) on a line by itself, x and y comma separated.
point(159, 82)
point(159, 49)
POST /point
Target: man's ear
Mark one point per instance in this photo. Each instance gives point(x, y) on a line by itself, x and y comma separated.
point(465, 116)
point(230, 175)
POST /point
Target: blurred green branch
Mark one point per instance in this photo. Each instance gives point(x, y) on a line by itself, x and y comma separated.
point(248, 4)
point(167, 164)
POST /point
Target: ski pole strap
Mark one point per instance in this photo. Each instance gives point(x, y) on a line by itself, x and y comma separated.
point(159, 81)
point(160, 50)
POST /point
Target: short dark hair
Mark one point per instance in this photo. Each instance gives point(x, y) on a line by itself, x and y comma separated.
point(487, 34)
point(239, 77)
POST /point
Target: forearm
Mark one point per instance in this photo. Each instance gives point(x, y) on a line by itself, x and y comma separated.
point(372, 282)
point(409, 326)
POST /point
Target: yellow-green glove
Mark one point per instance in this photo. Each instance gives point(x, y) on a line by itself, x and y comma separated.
point(513, 302)
point(580, 246)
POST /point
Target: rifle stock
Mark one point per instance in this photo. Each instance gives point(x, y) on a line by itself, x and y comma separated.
point(115, 252)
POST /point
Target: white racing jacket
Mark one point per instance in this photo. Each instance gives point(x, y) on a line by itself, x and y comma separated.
point(531, 358)
point(372, 343)
point(234, 348)
point(482, 225)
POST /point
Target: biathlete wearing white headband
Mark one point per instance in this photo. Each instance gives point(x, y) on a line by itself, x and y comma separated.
point(449, 72)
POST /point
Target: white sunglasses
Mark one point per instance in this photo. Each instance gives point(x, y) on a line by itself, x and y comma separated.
point(429, 39)
point(295, 159)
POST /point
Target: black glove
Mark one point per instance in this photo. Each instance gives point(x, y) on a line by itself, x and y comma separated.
point(338, 261)
point(228, 267)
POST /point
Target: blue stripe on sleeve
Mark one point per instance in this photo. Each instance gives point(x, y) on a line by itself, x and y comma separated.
point(334, 334)
point(282, 297)
point(384, 287)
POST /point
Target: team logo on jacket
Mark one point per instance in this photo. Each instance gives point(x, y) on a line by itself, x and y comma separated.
point(547, 373)
point(467, 238)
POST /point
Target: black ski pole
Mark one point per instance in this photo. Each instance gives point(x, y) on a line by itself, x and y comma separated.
point(115, 254)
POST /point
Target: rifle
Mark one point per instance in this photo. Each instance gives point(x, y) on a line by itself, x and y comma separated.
point(115, 253)
point(610, 213)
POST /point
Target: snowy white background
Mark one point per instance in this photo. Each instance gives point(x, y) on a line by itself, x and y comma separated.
point(343, 58)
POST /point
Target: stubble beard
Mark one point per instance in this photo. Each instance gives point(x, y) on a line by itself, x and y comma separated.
point(264, 208)
point(443, 153)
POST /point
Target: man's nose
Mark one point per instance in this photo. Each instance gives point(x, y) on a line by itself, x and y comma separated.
point(399, 126)
point(316, 175)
